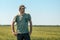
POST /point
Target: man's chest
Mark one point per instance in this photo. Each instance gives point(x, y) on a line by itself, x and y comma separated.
point(22, 18)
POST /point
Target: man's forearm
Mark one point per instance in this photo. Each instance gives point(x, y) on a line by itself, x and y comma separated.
point(31, 27)
point(12, 27)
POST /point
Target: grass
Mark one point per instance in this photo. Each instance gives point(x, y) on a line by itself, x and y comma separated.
point(39, 33)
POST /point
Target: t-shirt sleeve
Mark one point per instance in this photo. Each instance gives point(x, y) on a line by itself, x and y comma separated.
point(15, 19)
point(29, 17)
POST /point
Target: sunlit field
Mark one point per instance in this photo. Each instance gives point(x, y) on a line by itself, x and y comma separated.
point(38, 33)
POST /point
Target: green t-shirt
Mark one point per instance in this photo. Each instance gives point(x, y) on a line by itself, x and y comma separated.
point(22, 23)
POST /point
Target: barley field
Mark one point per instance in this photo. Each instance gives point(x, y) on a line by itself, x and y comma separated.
point(38, 33)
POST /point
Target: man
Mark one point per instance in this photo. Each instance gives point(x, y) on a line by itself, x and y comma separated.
point(22, 20)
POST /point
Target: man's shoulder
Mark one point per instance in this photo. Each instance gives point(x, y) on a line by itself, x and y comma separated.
point(16, 15)
point(27, 13)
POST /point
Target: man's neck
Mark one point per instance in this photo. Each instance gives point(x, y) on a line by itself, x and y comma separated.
point(21, 14)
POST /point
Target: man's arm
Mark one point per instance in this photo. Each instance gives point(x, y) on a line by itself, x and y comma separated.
point(30, 21)
point(12, 28)
point(30, 27)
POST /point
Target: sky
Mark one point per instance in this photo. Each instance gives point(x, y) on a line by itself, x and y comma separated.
point(43, 12)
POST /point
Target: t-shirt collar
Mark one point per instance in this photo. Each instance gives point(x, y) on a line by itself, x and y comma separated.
point(22, 14)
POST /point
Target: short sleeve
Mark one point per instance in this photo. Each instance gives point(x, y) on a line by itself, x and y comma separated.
point(15, 19)
point(29, 17)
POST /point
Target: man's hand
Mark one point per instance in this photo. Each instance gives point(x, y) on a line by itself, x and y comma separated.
point(14, 33)
point(30, 32)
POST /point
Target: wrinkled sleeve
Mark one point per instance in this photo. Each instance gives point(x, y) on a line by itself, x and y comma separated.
point(29, 17)
point(15, 19)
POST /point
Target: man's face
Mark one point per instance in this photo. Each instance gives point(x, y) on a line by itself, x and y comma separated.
point(22, 9)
